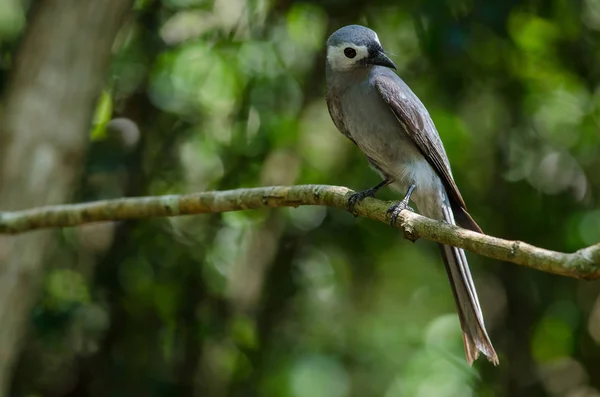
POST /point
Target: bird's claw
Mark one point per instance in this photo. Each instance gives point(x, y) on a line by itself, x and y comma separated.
point(396, 209)
point(357, 197)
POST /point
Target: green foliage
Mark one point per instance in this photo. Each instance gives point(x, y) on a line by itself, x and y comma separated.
point(311, 301)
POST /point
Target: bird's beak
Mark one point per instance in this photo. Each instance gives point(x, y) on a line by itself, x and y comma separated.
point(381, 59)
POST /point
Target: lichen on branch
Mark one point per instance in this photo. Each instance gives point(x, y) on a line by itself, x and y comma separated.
point(582, 264)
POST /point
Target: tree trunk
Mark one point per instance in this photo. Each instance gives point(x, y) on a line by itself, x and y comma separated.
point(56, 80)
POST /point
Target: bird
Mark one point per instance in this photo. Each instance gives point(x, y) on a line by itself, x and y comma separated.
point(374, 108)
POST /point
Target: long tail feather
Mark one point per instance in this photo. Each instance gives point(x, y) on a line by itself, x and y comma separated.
point(475, 336)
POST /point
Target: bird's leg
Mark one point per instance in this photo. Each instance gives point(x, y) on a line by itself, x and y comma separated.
point(360, 196)
point(401, 205)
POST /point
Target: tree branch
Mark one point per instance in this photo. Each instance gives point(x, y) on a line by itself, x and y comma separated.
point(582, 264)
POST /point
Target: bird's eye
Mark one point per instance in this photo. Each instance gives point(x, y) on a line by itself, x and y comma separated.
point(350, 52)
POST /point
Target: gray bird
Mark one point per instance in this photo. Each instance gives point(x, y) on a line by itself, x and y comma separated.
point(376, 110)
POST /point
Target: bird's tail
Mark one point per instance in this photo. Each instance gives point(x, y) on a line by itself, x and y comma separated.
point(475, 336)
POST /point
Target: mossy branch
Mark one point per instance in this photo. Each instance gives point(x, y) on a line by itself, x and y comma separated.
point(582, 264)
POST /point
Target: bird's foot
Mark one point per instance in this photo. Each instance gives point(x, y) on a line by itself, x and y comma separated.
point(397, 208)
point(357, 197)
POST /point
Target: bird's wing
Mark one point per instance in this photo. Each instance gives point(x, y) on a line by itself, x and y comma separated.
point(417, 124)
point(335, 111)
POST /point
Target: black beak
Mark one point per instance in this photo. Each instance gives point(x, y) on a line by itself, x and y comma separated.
point(380, 59)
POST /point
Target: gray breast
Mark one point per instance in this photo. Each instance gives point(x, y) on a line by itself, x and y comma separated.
point(374, 128)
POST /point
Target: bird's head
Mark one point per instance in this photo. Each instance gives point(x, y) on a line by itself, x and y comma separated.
point(355, 47)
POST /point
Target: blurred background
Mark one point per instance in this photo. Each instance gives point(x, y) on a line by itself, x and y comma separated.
point(198, 95)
